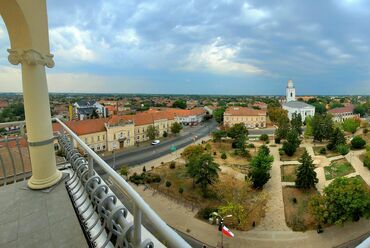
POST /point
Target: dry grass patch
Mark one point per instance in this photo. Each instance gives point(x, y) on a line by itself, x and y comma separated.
point(329, 154)
point(296, 209)
point(228, 190)
point(298, 153)
point(288, 172)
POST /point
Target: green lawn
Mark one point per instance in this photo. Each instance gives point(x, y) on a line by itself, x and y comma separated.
point(288, 172)
point(338, 168)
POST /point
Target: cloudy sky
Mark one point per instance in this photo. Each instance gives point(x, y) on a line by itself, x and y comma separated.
point(204, 47)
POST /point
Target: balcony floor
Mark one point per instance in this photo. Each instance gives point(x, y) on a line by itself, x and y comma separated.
point(37, 219)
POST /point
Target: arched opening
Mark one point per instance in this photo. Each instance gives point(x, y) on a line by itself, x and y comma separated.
point(27, 26)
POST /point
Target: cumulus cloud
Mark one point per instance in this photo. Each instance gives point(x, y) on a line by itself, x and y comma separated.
point(72, 44)
point(218, 58)
point(166, 41)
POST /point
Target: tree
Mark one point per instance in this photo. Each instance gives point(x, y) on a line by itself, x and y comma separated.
point(123, 171)
point(276, 114)
point(308, 130)
point(350, 125)
point(237, 131)
point(259, 169)
point(13, 112)
point(357, 142)
point(292, 143)
point(306, 175)
point(319, 108)
point(152, 132)
point(344, 199)
point(296, 123)
point(322, 127)
point(264, 137)
point(176, 128)
point(218, 135)
point(203, 170)
point(337, 138)
point(360, 109)
point(179, 104)
point(218, 114)
point(283, 127)
point(192, 150)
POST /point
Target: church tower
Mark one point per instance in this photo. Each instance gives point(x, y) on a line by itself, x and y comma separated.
point(290, 92)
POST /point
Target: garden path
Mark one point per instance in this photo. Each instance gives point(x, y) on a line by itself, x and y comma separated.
point(274, 219)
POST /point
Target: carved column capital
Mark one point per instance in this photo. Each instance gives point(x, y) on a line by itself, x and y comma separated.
point(31, 57)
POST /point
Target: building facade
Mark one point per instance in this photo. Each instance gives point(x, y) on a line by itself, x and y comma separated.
point(251, 118)
point(297, 107)
point(341, 114)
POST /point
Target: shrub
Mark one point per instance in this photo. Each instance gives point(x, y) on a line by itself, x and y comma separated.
point(323, 150)
point(208, 147)
point(123, 171)
point(223, 156)
point(277, 140)
point(162, 162)
point(181, 190)
point(144, 169)
point(357, 142)
point(205, 213)
point(365, 131)
point(264, 137)
point(152, 178)
point(173, 165)
point(214, 153)
point(281, 151)
point(165, 134)
point(168, 184)
point(342, 149)
point(137, 179)
point(250, 145)
point(367, 160)
point(234, 145)
point(289, 148)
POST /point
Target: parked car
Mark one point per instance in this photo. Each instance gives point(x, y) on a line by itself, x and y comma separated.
point(156, 142)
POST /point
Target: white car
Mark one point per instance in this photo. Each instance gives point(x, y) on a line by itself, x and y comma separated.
point(156, 142)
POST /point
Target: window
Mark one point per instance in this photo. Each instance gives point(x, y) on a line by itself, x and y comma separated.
point(92, 139)
point(85, 140)
point(103, 136)
point(103, 147)
point(98, 137)
point(138, 137)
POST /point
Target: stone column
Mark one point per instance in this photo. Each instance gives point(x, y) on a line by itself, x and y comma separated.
point(38, 117)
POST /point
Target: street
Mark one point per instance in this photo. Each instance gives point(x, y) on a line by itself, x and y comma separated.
point(141, 155)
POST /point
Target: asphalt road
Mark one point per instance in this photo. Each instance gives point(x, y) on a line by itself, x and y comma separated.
point(145, 154)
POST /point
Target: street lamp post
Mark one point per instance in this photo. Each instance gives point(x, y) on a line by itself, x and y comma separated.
point(220, 224)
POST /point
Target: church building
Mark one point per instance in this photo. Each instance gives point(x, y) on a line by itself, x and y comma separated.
point(293, 106)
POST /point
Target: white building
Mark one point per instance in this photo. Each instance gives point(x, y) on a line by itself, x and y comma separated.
point(293, 106)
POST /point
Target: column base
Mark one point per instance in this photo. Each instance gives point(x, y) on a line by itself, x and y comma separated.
point(44, 183)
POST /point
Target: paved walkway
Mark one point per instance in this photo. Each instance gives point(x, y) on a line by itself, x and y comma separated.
point(274, 219)
point(353, 158)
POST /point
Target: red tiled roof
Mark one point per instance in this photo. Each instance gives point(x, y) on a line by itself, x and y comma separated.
point(143, 118)
point(81, 127)
point(3, 104)
point(243, 111)
point(341, 110)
